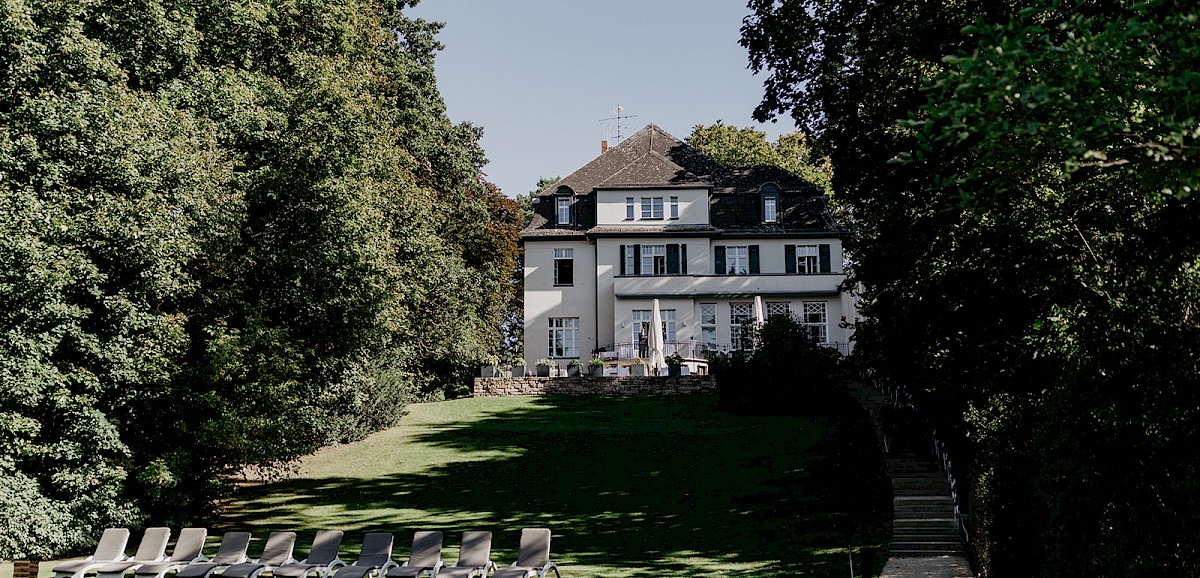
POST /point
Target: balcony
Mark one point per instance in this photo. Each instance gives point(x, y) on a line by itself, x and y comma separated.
point(726, 286)
point(625, 351)
point(686, 349)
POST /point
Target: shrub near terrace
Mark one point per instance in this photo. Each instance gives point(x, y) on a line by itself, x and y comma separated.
point(786, 373)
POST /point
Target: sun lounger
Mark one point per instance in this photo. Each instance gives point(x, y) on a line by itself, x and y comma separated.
point(110, 549)
point(322, 558)
point(231, 551)
point(277, 552)
point(424, 558)
point(189, 548)
point(533, 558)
point(474, 558)
point(150, 549)
point(376, 557)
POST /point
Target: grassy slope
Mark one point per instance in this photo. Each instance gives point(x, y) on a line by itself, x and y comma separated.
point(632, 486)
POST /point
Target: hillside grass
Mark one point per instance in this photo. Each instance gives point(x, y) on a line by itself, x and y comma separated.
point(630, 486)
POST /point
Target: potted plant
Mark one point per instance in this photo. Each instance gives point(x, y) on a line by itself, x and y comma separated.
point(543, 367)
point(674, 361)
point(596, 366)
point(488, 368)
point(518, 367)
point(638, 368)
point(574, 368)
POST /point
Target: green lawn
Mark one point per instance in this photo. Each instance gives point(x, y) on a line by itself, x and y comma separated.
point(630, 486)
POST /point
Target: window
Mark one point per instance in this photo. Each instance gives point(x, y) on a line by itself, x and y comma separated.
point(641, 324)
point(564, 337)
point(770, 208)
point(654, 259)
point(778, 308)
point(674, 207)
point(739, 313)
point(668, 259)
point(564, 266)
point(806, 259)
point(628, 208)
point(737, 260)
point(564, 210)
point(742, 260)
point(708, 325)
point(815, 321)
point(652, 207)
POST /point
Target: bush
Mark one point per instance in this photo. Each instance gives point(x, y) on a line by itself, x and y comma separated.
point(786, 372)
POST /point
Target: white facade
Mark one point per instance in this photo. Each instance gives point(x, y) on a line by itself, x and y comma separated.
point(604, 301)
point(596, 259)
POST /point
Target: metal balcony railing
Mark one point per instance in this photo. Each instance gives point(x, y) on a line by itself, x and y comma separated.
point(685, 349)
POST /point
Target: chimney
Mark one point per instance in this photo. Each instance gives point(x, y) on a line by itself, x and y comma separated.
point(603, 146)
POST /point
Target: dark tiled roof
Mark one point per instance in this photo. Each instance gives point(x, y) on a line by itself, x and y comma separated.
point(741, 212)
point(653, 158)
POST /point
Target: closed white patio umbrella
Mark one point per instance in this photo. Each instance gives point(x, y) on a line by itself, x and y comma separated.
point(656, 340)
point(760, 316)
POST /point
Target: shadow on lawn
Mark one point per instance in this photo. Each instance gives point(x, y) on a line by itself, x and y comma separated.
point(651, 483)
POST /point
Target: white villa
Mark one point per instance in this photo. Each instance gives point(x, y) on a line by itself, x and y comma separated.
point(653, 218)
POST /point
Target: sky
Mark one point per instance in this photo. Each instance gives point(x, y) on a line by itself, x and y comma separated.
point(540, 75)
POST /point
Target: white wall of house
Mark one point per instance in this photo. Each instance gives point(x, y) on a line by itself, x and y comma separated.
point(611, 206)
point(544, 300)
point(604, 301)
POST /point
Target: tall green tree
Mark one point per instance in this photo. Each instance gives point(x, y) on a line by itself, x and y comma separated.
point(734, 146)
point(230, 233)
point(1026, 238)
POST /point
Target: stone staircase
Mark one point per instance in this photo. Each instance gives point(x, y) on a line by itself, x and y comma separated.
point(925, 538)
point(923, 523)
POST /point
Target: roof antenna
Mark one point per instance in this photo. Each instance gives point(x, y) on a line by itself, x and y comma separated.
point(618, 118)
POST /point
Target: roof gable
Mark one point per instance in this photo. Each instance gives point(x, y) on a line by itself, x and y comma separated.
point(653, 158)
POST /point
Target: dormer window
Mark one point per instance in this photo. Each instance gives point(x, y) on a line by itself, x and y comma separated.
point(770, 203)
point(564, 210)
point(562, 205)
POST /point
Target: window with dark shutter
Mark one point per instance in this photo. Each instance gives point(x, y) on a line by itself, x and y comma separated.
point(637, 259)
point(672, 259)
point(624, 258)
point(789, 259)
point(754, 266)
point(683, 259)
point(719, 260)
point(824, 256)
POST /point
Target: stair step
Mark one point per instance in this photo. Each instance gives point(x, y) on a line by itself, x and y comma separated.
point(925, 524)
point(921, 484)
point(922, 512)
point(926, 553)
point(925, 546)
point(925, 537)
point(920, 492)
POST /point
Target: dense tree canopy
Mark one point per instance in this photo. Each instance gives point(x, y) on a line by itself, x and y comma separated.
point(230, 233)
point(1022, 181)
point(733, 146)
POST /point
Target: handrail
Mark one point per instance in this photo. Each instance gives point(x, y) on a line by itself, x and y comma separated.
point(689, 349)
point(899, 392)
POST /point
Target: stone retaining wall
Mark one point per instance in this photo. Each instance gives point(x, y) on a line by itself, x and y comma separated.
point(517, 386)
point(25, 569)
